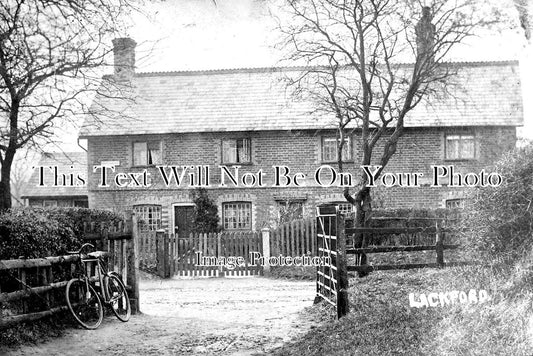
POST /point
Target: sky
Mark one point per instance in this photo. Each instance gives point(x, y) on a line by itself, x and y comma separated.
point(174, 35)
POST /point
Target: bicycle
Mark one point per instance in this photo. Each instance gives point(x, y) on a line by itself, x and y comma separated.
point(85, 302)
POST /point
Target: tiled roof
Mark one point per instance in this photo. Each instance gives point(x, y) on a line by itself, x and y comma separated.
point(484, 93)
point(64, 162)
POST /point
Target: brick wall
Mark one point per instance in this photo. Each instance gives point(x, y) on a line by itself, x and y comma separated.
point(301, 152)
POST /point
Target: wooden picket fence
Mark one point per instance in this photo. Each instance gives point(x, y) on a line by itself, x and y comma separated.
point(294, 238)
point(147, 251)
point(31, 289)
point(175, 255)
point(170, 255)
point(199, 255)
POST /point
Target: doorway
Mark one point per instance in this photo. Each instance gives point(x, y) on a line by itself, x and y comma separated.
point(183, 220)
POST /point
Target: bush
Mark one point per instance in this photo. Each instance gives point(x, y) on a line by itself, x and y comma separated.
point(206, 217)
point(36, 233)
point(498, 222)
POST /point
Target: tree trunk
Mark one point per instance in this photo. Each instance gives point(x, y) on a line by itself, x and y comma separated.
point(5, 182)
point(363, 209)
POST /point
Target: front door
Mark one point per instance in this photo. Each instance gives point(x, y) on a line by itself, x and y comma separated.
point(183, 220)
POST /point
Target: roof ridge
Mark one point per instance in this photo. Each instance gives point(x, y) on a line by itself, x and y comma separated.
point(217, 71)
point(62, 152)
point(301, 67)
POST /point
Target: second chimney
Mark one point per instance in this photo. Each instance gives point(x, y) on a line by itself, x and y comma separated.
point(124, 53)
point(425, 34)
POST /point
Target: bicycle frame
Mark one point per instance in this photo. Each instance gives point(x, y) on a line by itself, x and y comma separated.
point(101, 275)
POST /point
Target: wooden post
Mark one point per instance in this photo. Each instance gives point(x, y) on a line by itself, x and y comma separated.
point(439, 246)
point(133, 263)
point(265, 237)
point(103, 236)
point(343, 304)
point(292, 251)
point(43, 271)
point(220, 253)
point(161, 243)
point(22, 286)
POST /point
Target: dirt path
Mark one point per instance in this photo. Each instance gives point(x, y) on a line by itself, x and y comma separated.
point(245, 316)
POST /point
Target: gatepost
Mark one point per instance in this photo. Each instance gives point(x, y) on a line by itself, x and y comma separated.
point(161, 243)
point(265, 237)
point(133, 261)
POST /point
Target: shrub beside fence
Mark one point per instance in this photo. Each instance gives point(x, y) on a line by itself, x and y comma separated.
point(39, 233)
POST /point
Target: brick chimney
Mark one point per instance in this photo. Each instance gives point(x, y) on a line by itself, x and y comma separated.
point(124, 53)
point(425, 34)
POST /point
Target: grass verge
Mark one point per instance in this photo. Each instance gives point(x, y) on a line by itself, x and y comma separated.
point(381, 322)
point(37, 331)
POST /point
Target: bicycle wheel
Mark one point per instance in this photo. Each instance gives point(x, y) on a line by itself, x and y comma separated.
point(84, 304)
point(119, 300)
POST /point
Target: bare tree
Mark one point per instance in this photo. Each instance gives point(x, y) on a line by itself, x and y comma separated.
point(524, 8)
point(354, 52)
point(20, 174)
point(50, 55)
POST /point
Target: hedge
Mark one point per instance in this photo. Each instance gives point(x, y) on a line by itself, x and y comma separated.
point(498, 221)
point(41, 232)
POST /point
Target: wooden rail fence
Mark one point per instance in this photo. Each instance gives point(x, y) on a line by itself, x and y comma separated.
point(385, 239)
point(332, 236)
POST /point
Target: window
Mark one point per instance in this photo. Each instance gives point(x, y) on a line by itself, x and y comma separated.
point(147, 153)
point(236, 151)
point(455, 204)
point(345, 208)
point(149, 216)
point(50, 203)
point(290, 210)
point(329, 149)
point(460, 147)
point(237, 216)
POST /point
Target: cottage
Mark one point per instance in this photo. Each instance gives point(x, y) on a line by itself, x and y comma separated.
point(58, 180)
point(246, 120)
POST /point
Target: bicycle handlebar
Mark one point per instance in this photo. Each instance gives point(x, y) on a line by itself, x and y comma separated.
point(81, 249)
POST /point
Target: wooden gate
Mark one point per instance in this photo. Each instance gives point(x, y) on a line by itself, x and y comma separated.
point(332, 276)
point(203, 255)
point(122, 244)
